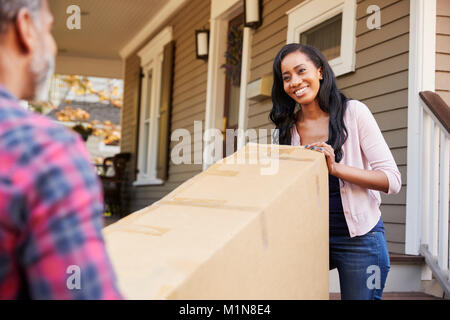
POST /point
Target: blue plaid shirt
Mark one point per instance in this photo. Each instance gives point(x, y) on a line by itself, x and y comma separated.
point(51, 212)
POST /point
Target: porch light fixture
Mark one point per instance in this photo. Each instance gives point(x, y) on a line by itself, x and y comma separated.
point(202, 43)
point(253, 13)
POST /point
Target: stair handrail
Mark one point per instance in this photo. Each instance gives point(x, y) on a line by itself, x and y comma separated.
point(435, 187)
point(438, 107)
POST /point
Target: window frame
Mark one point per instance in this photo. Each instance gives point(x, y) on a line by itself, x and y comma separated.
point(311, 13)
point(152, 57)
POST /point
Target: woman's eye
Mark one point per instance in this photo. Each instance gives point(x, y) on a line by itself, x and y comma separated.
point(286, 79)
point(301, 71)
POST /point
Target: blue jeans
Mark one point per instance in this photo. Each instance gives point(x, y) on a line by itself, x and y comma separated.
point(362, 263)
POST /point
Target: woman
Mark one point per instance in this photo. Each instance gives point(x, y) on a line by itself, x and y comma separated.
point(359, 162)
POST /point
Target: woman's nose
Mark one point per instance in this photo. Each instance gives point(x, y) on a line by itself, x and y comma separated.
point(295, 82)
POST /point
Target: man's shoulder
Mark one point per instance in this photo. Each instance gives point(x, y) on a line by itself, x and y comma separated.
point(10, 110)
point(26, 135)
point(45, 160)
point(42, 127)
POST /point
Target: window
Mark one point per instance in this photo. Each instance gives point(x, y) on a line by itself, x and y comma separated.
point(153, 115)
point(146, 121)
point(326, 37)
point(330, 27)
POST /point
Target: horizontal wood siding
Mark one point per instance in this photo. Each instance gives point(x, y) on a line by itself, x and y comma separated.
point(189, 100)
point(267, 41)
point(443, 49)
point(380, 81)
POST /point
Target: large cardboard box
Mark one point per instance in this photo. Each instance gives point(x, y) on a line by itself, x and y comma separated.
point(232, 232)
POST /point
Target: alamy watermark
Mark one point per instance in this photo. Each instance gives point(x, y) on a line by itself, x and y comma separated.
point(374, 20)
point(74, 20)
point(73, 281)
point(374, 280)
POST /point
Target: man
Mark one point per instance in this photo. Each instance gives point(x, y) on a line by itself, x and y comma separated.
point(51, 203)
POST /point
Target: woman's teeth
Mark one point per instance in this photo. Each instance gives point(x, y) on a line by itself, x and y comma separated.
point(301, 91)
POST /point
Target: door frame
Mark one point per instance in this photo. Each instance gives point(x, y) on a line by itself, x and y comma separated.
point(221, 13)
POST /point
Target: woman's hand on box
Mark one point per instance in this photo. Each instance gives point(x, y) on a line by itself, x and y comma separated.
point(328, 151)
point(370, 179)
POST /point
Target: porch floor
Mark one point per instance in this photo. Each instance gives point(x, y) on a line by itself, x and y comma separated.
point(397, 296)
point(110, 220)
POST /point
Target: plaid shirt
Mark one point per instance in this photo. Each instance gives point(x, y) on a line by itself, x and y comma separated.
point(51, 206)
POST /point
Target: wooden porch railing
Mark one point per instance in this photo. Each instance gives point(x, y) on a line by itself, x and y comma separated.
point(434, 239)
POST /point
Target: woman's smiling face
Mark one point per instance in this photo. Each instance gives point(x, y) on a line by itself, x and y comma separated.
point(301, 78)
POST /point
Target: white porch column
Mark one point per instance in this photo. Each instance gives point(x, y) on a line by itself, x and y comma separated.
point(422, 55)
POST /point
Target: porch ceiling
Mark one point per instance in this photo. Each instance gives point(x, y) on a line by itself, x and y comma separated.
point(106, 26)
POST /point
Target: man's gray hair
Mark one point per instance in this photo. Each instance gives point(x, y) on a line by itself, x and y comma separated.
point(10, 8)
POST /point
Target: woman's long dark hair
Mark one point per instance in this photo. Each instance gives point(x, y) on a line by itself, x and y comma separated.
point(331, 100)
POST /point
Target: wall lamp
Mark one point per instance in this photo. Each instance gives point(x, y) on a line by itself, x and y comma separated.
point(253, 13)
point(202, 44)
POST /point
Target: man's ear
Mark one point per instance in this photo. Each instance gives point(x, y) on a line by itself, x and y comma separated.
point(26, 31)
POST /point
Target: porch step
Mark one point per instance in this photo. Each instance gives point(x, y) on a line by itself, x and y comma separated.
point(397, 296)
point(404, 276)
point(396, 258)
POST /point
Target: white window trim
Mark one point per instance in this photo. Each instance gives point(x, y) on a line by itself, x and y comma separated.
point(422, 73)
point(311, 13)
point(148, 182)
point(152, 56)
point(245, 78)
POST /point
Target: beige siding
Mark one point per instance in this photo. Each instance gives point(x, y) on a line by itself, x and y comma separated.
point(443, 49)
point(267, 41)
point(189, 99)
point(380, 81)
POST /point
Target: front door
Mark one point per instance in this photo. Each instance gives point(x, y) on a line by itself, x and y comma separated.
point(233, 82)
